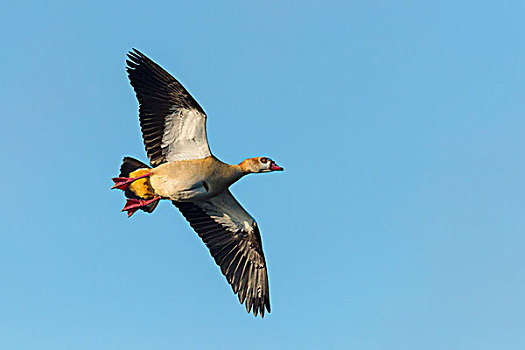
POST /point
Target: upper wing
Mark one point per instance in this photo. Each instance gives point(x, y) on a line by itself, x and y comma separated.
point(234, 241)
point(172, 122)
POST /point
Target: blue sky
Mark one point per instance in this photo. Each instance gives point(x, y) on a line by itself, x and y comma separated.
point(398, 223)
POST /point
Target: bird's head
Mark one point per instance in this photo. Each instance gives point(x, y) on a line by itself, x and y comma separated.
point(259, 165)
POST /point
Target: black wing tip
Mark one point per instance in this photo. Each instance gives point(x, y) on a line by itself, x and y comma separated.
point(134, 52)
point(135, 58)
point(258, 307)
point(255, 304)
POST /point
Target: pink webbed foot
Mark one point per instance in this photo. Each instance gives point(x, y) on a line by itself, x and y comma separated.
point(122, 183)
point(132, 204)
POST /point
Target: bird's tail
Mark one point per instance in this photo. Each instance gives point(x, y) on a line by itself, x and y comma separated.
point(141, 188)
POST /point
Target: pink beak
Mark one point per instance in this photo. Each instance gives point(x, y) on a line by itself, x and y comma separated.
point(274, 167)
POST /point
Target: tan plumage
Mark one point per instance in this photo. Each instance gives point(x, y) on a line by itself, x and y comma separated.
point(180, 180)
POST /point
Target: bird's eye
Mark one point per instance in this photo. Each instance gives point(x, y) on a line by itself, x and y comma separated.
point(264, 160)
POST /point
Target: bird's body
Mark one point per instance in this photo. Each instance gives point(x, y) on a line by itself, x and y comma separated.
point(192, 180)
point(184, 171)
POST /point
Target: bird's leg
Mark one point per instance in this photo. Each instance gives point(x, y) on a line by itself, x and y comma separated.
point(122, 183)
point(132, 204)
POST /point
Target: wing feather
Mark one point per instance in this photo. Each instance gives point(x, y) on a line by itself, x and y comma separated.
point(172, 122)
point(234, 241)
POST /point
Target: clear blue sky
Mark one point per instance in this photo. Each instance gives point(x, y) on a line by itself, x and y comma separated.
point(399, 221)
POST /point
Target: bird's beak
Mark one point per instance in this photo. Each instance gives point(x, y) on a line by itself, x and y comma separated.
point(275, 167)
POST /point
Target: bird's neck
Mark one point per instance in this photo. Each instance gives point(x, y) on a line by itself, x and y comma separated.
point(231, 173)
point(244, 167)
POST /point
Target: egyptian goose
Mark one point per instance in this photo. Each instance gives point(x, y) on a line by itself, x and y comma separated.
point(184, 171)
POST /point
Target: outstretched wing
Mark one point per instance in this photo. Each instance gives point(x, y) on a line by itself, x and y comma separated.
point(234, 241)
point(173, 124)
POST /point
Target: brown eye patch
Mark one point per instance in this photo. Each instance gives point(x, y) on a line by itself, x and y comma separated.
point(264, 160)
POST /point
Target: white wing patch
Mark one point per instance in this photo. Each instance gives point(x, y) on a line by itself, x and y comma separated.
point(237, 218)
point(185, 135)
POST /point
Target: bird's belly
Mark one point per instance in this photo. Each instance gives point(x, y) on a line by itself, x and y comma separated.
point(180, 190)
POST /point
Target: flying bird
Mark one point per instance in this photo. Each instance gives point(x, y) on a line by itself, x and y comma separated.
point(183, 170)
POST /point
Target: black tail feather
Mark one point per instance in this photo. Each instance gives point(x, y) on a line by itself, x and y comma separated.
point(129, 165)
